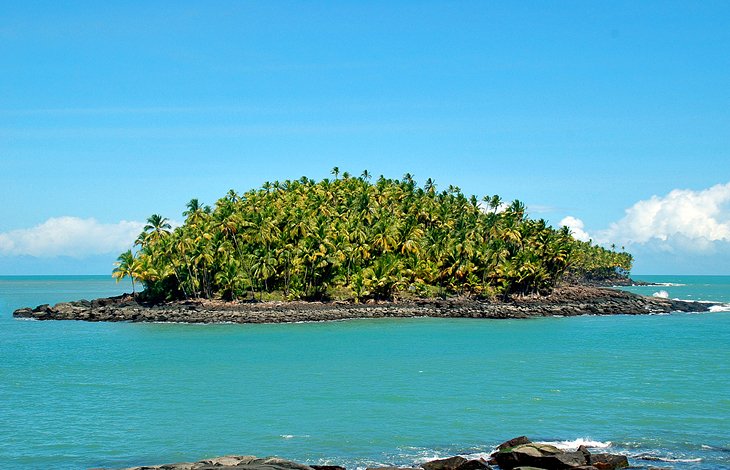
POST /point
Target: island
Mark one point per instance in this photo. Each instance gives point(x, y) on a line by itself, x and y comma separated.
point(346, 247)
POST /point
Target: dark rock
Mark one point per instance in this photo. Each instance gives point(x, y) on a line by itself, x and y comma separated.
point(391, 468)
point(564, 301)
point(474, 464)
point(542, 456)
point(517, 441)
point(608, 461)
point(451, 463)
point(23, 313)
point(327, 467)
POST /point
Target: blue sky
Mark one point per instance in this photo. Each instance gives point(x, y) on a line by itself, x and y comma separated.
point(614, 114)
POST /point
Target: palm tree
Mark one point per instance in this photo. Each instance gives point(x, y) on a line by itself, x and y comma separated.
point(372, 239)
point(157, 227)
point(126, 266)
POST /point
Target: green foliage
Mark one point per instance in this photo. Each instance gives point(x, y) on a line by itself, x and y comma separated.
point(312, 240)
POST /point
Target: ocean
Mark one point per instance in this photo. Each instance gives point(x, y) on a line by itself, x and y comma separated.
point(362, 392)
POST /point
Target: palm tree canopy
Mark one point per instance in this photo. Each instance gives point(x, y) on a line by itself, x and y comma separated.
point(308, 239)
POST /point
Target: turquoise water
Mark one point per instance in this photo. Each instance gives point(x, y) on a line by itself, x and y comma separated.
point(363, 392)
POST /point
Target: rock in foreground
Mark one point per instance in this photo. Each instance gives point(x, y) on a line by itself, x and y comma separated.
point(516, 454)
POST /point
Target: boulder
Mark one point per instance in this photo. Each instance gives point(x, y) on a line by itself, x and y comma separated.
point(474, 464)
point(608, 461)
point(228, 460)
point(543, 456)
point(451, 463)
point(517, 441)
point(23, 313)
point(391, 468)
point(271, 463)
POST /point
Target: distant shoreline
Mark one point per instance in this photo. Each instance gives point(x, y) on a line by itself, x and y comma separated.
point(564, 301)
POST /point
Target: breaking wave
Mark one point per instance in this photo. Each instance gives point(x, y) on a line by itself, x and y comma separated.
point(581, 441)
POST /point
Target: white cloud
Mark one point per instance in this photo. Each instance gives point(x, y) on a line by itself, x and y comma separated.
point(70, 236)
point(683, 220)
point(576, 226)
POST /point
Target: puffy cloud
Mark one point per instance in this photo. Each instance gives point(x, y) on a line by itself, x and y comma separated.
point(576, 226)
point(683, 220)
point(70, 236)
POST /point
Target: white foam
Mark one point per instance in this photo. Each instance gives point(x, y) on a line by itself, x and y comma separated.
point(292, 436)
point(662, 294)
point(668, 284)
point(654, 458)
point(720, 308)
point(581, 441)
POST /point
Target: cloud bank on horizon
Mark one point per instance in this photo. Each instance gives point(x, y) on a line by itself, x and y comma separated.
point(70, 236)
point(684, 223)
point(681, 221)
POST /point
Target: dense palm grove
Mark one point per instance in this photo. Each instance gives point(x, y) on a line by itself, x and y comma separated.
point(352, 239)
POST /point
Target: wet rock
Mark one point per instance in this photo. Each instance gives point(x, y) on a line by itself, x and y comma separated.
point(608, 461)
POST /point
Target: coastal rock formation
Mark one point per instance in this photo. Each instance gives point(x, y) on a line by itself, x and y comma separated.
point(239, 462)
point(566, 301)
point(516, 454)
point(456, 463)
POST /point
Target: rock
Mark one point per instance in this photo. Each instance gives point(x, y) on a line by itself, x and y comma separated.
point(608, 461)
point(23, 313)
point(542, 456)
point(456, 463)
point(475, 464)
point(391, 468)
point(451, 463)
point(274, 463)
point(327, 467)
point(528, 468)
point(229, 460)
point(517, 441)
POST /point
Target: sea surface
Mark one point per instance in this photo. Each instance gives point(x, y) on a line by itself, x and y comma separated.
point(361, 392)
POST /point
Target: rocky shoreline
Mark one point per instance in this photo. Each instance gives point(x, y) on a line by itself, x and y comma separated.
point(564, 301)
point(519, 453)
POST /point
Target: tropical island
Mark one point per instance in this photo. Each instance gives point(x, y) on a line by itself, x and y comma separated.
point(350, 239)
point(350, 248)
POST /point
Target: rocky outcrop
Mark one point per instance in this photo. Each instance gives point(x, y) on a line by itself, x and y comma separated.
point(567, 301)
point(238, 462)
point(518, 454)
point(456, 463)
point(515, 454)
